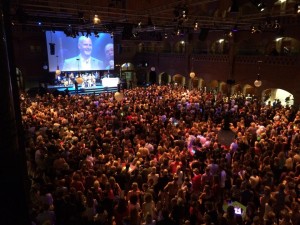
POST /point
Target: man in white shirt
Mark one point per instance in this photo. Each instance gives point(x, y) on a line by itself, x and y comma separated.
point(84, 61)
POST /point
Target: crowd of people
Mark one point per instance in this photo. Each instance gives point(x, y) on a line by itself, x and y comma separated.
point(161, 155)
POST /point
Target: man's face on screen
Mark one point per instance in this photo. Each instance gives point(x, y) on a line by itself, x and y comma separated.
point(85, 47)
point(109, 51)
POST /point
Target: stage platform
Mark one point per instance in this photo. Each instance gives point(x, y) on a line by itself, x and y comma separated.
point(97, 89)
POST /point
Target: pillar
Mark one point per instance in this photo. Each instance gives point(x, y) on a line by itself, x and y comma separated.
point(13, 171)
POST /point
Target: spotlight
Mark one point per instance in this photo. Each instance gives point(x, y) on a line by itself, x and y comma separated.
point(259, 5)
point(196, 26)
point(166, 35)
point(96, 19)
point(139, 25)
point(111, 34)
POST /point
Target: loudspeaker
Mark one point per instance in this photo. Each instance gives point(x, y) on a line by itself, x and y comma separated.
point(203, 34)
point(52, 48)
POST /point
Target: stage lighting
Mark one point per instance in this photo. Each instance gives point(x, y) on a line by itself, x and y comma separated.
point(297, 8)
point(259, 5)
point(96, 19)
point(196, 25)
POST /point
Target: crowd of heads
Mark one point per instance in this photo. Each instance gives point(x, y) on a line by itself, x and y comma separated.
point(161, 155)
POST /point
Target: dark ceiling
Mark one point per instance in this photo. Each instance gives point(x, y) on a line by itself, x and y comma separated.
point(138, 16)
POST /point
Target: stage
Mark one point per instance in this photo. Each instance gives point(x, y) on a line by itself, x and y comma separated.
point(95, 89)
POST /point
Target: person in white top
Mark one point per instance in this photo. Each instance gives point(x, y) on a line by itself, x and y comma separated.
point(84, 61)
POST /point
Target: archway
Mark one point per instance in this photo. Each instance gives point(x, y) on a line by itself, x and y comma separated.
point(213, 85)
point(128, 74)
point(195, 83)
point(152, 77)
point(164, 78)
point(276, 96)
point(223, 87)
point(179, 79)
point(236, 89)
point(248, 90)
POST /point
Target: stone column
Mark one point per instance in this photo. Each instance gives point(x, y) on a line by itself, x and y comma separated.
point(14, 192)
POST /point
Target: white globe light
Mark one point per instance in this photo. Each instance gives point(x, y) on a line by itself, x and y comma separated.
point(192, 75)
point(257, 83)
point(79, 80)
point(152, 68)
point(119, 96)
point(57, 72)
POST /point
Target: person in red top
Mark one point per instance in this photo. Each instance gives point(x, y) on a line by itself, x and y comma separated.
point(196, 181)
point(175, 164)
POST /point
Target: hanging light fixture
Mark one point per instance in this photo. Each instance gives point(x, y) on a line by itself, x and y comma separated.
point(192, 73)
point(96, 19)
point(258, 82)
point(57, 72)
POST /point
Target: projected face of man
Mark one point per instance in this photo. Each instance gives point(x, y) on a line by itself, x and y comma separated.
point(85, 46)
point(109, 51)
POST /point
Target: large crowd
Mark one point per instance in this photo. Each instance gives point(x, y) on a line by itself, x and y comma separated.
point(161, 155)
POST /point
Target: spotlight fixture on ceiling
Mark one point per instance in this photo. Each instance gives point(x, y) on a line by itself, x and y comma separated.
point(258, 82)
point(181, 13)
point(297, 8)
point(139, 26)
point(196, 25)
point(96, 19)
point(259, 4)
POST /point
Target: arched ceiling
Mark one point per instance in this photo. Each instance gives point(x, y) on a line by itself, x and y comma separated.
point(152, 15)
